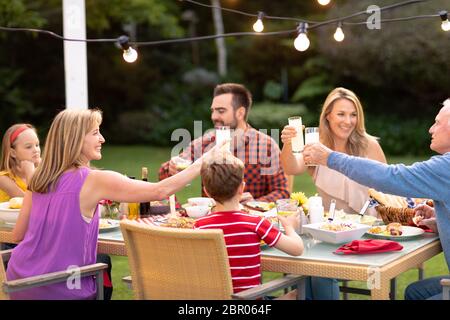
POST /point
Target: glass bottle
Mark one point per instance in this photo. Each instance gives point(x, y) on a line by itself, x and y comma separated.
point(144, 207)
point(133, 209)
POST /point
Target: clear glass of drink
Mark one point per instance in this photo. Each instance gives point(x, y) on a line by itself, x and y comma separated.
point(223, 133)
point(311, 136)
point(308, 241)
point(297, 141)
point(286, 207)
point(181, 163)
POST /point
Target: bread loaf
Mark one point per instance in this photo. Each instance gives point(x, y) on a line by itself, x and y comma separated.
point(388, 200)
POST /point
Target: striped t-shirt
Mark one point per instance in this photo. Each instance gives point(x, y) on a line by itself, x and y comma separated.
point(243, 233)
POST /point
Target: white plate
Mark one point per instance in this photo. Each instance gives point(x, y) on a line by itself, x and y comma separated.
point(112, 225)
point(408, 233)
point(261, 205)
point(7, 214)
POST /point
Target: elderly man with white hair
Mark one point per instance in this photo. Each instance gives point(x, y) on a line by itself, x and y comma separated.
point(426, 179)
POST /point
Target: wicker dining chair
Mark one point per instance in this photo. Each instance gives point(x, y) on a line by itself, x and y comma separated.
point(177, 264)
point(48, 278)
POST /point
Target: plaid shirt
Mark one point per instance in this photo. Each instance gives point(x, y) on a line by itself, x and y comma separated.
point(264, 178)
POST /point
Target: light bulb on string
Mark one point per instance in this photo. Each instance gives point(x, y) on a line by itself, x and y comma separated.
point(129, 54)
point(339, 34)
point(323, 2)
point(258, 26)
point(301, 43)
point(445, 23)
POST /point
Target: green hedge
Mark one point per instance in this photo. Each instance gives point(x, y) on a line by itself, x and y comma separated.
point(275, 116)
point(401, 136)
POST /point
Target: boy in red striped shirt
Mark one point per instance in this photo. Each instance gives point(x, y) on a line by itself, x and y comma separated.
point(222, 177)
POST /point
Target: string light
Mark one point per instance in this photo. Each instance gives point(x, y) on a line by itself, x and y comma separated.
point(301, 43)
point(445, 23)
point(258, 26)
point(339, 34)
point(129, 54)
point(323, 2)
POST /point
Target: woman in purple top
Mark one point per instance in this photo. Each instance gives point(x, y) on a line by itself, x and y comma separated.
point(58, 223)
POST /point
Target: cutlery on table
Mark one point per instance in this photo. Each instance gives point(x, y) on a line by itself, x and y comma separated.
point(331, 211)
point(363, 210)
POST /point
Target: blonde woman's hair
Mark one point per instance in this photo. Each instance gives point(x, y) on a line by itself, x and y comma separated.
point(63, 146)
point(358, 141)
point(7, 162)
point(222, 175)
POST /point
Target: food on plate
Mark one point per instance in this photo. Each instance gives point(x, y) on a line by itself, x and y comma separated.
point(417, 219)
point(263, 206)
point(342, 216)
point(105, 223)
point(179, 222)
point(388, 200)
point(430, 203)
point(15, 203)
point(337, 227)
point(376, 230)
point(394, 229)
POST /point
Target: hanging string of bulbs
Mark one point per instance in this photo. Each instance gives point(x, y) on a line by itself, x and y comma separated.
point(301, 42)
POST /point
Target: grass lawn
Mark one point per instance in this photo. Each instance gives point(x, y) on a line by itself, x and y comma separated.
point(129, 160)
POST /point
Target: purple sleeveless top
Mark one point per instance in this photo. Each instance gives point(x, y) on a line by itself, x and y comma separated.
point(57, 237)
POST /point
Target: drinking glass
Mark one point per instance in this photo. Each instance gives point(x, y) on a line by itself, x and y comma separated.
point(311, 136)
point(181, 163)
point(308, 240)
point(297, 141)
point(223, 133)
point(286, 207)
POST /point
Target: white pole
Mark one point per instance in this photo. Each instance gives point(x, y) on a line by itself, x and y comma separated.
point(75, 58)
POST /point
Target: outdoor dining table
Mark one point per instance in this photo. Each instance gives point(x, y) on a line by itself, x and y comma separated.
point(378, 270)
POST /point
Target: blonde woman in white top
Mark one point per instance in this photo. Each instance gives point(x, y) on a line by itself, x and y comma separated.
point(341, 128)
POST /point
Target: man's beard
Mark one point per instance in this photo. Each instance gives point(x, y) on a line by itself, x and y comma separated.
point(232, 125)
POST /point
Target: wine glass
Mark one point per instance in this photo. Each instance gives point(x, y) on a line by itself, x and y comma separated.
point(181, 164)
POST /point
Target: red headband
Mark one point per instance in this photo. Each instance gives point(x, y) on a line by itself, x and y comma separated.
point(16, 133)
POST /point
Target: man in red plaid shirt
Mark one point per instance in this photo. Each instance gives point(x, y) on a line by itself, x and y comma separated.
point(264, 178)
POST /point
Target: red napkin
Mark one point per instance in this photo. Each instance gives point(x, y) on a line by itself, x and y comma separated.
point(369, 246)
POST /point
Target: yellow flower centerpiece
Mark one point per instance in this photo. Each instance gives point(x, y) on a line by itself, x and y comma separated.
point(302, 200)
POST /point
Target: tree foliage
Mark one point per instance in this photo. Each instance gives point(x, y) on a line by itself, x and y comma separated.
point(403, 67)
point(400, 70)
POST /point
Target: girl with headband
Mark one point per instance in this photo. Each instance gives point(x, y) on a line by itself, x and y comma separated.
point(21, 154)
